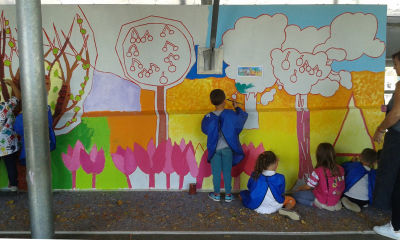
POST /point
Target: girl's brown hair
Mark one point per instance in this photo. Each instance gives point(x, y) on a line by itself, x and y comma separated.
point(264, 160)
point(326, 158)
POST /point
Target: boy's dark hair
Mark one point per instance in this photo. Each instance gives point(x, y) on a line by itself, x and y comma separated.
point(264, 160)
point(369, 156)
point(217, 96)
point(326, 157)
point(396, 55)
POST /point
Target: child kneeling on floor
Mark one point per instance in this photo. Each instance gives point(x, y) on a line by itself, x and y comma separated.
point(360, 180)
point(266, 189)
point(326, 184)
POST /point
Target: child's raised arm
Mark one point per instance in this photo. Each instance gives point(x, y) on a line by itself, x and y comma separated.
point(241, 119)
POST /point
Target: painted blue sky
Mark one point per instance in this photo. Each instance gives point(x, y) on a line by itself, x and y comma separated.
point(308, 15)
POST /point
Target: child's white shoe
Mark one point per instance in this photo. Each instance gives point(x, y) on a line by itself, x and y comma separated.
point(387, 231)
point(289, 213)
point(350, 205)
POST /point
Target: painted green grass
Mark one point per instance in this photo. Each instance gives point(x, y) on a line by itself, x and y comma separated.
point(91, 131)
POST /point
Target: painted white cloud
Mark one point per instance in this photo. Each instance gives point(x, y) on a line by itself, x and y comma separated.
point(250, 44)
point(326, 87)
point(268, 97)
point(345, 79)
point(310, 37)
point(355, 33)
point(336, 54)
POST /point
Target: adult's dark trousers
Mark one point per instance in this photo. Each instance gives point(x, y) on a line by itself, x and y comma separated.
point(11, 166)
point(387, 188)
point(396, 204)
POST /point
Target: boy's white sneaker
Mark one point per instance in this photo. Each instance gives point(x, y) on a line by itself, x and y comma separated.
point(350, 205)
point(289, 213)
point(387, 231)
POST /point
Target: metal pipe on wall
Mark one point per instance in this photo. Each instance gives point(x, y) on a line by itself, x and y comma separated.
point(34, 106)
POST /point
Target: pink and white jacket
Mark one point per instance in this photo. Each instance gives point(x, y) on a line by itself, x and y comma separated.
point(327, 188)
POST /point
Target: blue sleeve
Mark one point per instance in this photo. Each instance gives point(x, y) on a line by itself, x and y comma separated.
point(18, 125)
point(253, 197)
point(241, 119)
point(346, 166)
point(282, 187)
point(209, 123)
point(248, 195)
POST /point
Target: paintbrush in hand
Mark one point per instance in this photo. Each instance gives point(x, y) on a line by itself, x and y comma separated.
point(230, 100)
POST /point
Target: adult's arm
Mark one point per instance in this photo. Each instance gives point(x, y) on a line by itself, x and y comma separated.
point(391, 118)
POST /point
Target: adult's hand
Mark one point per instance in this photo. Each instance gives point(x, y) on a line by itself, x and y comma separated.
point(378, 136)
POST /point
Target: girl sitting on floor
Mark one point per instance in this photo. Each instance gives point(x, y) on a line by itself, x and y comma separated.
point(326, 184)
point(266, 189)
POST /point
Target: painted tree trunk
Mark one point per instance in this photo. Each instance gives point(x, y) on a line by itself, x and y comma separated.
point(181, 178)
point(251, 109)
point(94, 181)
point(162, 117)
point(152, 180)
point(303, 137)
point(73, 173)
point(168, 176)
point(236, 183)
point(129, 182)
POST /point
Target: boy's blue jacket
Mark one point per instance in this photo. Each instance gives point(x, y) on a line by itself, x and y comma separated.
point(19, 129)
point(253, 197)
point(231, 124)
point(354, 171)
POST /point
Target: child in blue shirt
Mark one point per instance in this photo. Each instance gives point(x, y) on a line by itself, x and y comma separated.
point(359, 180)
point(222, 128)
point(266, 189)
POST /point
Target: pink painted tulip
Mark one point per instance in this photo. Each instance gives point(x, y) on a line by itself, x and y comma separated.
point(179, 161)
point(150, 161)
point(191, 160)
point(72, 160)
point(204, 170)
point(125, 161)
point(238, 169)
point(168, 167)
point(251, 157)
point(93, 163)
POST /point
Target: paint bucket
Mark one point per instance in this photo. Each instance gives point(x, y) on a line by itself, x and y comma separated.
point(192, 188)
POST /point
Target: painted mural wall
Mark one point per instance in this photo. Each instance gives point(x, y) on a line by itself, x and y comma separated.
point(127, 100)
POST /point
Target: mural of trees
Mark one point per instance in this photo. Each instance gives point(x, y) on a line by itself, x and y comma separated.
point(156, 53)
point(70, 58)
point(9, 64)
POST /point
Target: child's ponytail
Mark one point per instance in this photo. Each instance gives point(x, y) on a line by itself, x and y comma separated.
point(264, 160)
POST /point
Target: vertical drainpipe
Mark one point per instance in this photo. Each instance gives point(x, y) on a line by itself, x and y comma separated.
point(209, 54)
point(34, 106)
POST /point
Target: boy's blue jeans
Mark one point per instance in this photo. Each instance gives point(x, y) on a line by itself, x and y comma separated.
point(222, 162)
point(304, 197)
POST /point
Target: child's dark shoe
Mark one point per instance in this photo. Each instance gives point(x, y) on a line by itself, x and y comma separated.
point(214, 196)
point(228, 197)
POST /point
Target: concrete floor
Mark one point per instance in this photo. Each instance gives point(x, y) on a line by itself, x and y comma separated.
point(177, 215)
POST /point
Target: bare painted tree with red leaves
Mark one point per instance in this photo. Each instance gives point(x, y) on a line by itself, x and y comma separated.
point(68, 58)
point(8, 56)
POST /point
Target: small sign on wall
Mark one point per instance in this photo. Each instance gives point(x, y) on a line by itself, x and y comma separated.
point(250, 71)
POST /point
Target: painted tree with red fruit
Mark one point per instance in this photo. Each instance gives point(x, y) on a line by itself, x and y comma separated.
point(156, 53)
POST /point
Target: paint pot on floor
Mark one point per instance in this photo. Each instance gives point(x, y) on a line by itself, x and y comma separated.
point(192, 188)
